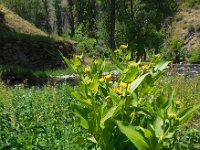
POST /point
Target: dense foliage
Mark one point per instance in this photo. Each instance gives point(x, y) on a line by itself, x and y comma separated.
point(36, 118)
point(127, 106)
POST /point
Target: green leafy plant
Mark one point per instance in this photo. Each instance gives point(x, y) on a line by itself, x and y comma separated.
point(174, 50)
point(85, 43)
point(36, 118)
point(194, 55)
point(126, 107)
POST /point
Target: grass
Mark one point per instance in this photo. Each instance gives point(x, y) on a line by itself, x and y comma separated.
point(187, 91)
point(18, 24)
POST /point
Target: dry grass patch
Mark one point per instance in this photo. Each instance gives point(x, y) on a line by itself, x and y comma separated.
point(18, 24)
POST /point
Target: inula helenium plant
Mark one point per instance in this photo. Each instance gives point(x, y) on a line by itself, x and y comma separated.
point(126, 111)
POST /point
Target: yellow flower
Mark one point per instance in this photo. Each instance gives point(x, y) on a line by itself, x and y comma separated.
point(123, 84)
point(118, 91)
point(101, 80)
point(108, 77)
point(145, 68)
point(87, 69)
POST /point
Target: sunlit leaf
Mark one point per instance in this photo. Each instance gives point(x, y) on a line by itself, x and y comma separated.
point(134, 85)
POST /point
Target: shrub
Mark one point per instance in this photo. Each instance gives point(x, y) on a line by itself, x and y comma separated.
point(194, 55)
point(191, 3)
point(126, 108)
point(191, 28)
point(174, 50)
point(85, 44)
point(197, 28)
point(179, 18)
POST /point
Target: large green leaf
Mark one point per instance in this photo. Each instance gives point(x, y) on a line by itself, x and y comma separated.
point(111, 113)
point(114, 97)
point(115, 60)
point(134, 85)
point(108, 115)
point(158, 127)
point(134, 136)
point(94, 86)
point(82, 115)
point(131, 74)
point(162, 65)
point(78, 96)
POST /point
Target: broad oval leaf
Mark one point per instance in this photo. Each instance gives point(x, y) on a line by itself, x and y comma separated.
point(134, 136)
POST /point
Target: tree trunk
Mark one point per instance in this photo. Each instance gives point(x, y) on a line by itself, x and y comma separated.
point(47, 22)
point(112, 24)
point(71, 17)
point(131, 1)
point(92, 11)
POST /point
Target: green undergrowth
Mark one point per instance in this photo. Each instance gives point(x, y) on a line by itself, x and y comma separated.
point(36, 118)
point(15, 75)
point(24, 37)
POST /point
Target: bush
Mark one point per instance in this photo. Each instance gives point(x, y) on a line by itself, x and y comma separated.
point(194, 55)
point(191, 3)
point(86, 45)
point(174, 50)
point(197, 28)
point(179, 18)
point(191, 28)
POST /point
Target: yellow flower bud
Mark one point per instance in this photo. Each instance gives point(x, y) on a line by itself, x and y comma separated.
point(101, 80)
point(118, 91)
point(108, 77)
point(123, 84)
point(87, 69)
point(145, 68)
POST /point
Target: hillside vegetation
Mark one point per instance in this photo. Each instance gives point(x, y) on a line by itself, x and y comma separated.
point(12, 22)
point(184, 41)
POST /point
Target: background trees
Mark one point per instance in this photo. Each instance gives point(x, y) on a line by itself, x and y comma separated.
point(112, 22)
